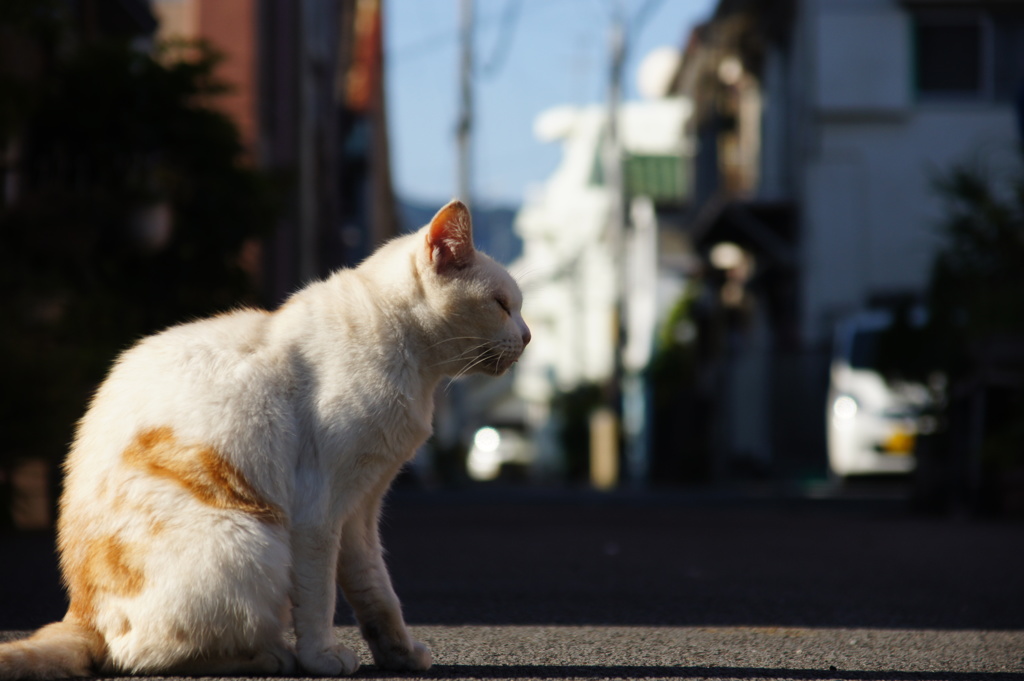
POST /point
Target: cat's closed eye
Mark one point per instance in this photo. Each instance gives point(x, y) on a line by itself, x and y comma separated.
point(503, 304)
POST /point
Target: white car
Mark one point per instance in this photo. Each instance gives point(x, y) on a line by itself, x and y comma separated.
point(871, 424)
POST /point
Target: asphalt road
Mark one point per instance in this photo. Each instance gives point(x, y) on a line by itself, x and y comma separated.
point(528, 585)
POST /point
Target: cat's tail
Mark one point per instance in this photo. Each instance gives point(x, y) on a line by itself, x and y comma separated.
point(59, 650)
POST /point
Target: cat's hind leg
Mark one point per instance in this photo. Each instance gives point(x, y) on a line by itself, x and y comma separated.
point(276, 660)
point(213, 589)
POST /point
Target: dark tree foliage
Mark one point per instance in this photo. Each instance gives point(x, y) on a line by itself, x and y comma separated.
point(978, 281)
point(131, 207)
point(977, 299)
point(974, 335)
point(976, 289)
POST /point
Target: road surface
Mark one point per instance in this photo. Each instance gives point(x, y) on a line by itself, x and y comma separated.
point(553, 585)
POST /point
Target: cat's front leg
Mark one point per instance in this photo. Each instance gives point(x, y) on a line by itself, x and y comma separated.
point(367, 587)
point(314, 557)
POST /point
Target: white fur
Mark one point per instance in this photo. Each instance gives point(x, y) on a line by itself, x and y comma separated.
point(317, 406)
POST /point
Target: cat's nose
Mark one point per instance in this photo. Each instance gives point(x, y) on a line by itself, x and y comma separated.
point(526, 336)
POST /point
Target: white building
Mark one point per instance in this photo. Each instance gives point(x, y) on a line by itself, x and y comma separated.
point(571, 264)
point(883, 112)
point(821, 125)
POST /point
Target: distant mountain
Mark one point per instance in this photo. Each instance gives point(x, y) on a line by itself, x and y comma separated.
point(492, 227)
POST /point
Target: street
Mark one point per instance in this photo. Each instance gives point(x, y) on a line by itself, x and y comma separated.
point(556, 585)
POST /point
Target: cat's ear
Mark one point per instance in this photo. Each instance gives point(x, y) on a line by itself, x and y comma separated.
point(450, 237)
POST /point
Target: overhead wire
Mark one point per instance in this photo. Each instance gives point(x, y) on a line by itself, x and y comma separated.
point(509, 22)
point(508, 19)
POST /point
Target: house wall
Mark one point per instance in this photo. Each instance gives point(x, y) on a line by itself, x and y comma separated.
point(847, 139)
point(230, 26)
point(869, 158)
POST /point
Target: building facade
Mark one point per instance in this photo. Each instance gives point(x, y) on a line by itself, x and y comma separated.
point(821, 126)
point(305, 89)
point(596, 283)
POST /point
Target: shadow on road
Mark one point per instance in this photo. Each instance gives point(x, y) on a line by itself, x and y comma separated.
point(681, 561)
point(658, 561)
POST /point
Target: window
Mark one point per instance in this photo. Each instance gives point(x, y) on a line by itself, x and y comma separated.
point(949, 57)
point(864, 353)
point(1008, 57)
point(969, 54)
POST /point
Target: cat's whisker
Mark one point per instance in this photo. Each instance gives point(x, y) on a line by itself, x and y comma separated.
point(464, 353)
point(473, 349)
point(462, 372)
point(476, 362)
point(524, 275)
point(451, 360)
point(456, 338)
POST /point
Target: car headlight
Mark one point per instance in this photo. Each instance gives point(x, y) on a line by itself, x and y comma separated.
point(845, 408)
point(487, 439)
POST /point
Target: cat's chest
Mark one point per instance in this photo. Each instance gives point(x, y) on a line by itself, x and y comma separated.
point(406, 425)
point(385, 420)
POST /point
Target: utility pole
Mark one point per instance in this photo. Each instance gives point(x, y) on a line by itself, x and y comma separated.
point(613, 161)
point(606, 425)
point(451, 403)
point(464, 127)
point(306, 149)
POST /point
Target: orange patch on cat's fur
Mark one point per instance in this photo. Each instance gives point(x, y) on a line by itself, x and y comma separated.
point(200, 470)
point(108, 566)
point(124, 628)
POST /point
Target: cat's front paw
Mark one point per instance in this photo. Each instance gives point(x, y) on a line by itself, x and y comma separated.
point(416, 658)
point(334, 661)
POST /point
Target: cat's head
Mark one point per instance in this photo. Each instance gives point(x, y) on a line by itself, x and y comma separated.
point(478, 305)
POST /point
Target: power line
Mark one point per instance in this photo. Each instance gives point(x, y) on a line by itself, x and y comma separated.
point(448, 37)
point(641, 15)
point(509, 22)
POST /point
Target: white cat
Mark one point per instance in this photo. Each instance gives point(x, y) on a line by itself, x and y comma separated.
point(229, 471)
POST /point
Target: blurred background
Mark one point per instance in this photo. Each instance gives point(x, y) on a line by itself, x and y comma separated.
point(762, 242)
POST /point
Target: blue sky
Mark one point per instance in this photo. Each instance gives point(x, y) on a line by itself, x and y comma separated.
point(531, 55)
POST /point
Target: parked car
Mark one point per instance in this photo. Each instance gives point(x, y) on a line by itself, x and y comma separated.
point(872, 423)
